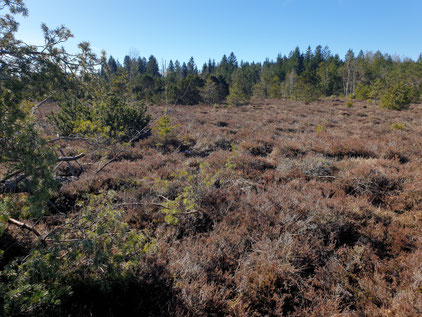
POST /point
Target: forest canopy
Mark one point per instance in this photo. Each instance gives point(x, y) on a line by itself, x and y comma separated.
point(302, 75)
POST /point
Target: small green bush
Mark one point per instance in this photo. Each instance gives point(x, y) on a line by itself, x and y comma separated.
point(349, 102)
point(398, 126)
point(320, 128)
point(190, 188)
point(164, 131)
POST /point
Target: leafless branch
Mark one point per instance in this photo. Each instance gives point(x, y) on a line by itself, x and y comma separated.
point(41, 103)
point(70, 158)
point(68, 164)
point(23, 225)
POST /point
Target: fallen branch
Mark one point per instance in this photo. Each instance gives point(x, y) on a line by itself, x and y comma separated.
point(137, 204)
point(108, 163)
point(135, 138)
point(11, 186)
point(58, 165)
point(68, 164)
point(70, 158)
point(23, 225)
point(34, 108)
point(9, 176)
point(68, 138)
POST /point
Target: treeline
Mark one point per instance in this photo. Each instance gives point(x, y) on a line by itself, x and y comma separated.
point(304, 76)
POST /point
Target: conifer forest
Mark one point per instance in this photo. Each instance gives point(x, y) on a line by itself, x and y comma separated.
point(133, 187)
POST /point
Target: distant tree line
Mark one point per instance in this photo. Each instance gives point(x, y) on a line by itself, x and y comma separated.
point(304, 76)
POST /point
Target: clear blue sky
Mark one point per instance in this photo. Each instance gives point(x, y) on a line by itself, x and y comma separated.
point(253, 30)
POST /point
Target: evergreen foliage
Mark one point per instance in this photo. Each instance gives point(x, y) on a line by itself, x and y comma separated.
point(398, 97)
point(28, 160)
point(303, 76)
point(209, 93)
point(164, 132)
point(95, 249)
point(152, 68)
point(237, 97)
point(111, 117)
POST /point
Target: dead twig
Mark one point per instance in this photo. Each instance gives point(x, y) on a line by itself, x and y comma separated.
point(68, 164)
point(108, 163)
point(70, 158)
point(9, 176)
point(36, 107)
point(23, 225)
point(68, 138)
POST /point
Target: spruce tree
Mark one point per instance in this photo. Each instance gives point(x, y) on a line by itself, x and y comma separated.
point(184, 70)
point(178, 69)
point(142, 65)
point(191, 67)
point(127, 63)
point(152, 68)
point(112, 65)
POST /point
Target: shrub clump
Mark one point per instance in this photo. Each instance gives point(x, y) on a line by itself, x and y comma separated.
point(237, 96)
point(398, 126)
point(398, 97)
point(164, 132)
point(112, 117)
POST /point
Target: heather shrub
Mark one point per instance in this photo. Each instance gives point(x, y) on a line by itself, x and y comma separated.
point(310, 167)
point(314, 167)
point(188, 189)
point(257, 148)
point(371, 182)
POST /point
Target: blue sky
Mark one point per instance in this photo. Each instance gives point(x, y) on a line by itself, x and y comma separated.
point(253, 30)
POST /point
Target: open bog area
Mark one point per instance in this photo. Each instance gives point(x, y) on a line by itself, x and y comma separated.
point(213, 159)
point(274, 208)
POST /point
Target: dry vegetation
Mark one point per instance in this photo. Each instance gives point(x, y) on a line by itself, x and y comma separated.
point(320, 216)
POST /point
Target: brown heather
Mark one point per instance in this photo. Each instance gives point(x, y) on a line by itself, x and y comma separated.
point(322, 215)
